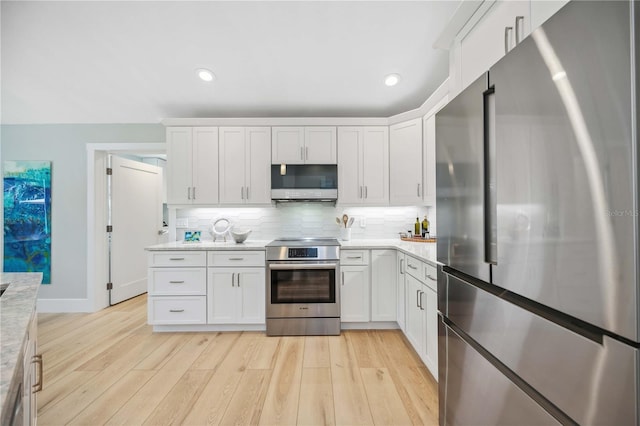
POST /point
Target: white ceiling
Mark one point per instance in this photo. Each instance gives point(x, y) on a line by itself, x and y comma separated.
point(135, 62)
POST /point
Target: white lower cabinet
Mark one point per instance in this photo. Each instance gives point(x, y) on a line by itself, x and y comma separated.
point(236, 287)
point(177, 289)
point(355, 283)
point(236, 295)
point(400, 291)
point(200, 287)
point(383, 285)
point(421, 306)
point(415, 329)
point(177, 310)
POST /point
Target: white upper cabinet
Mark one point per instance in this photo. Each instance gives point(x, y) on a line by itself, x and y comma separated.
point(244, 165)
point(500, 29)
point(405, 160)
point(304, 145)
point(429, 153)
point(363, 165)
point(320, 145)
point(192, 159)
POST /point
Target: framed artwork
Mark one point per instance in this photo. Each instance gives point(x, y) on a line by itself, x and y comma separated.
point(192, 236)
point(27, 217)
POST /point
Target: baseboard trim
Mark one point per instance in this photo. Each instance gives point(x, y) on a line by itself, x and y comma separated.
point(64, 305)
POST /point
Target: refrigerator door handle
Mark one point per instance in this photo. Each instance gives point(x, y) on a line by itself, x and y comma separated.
point(490, 213)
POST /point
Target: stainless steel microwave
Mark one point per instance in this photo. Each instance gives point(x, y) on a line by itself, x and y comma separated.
point(304, 182)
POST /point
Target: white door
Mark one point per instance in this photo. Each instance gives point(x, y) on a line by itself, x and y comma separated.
point(136, 218)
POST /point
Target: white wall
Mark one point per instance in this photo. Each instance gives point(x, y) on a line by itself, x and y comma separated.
point(65, 146)
point(308, 220)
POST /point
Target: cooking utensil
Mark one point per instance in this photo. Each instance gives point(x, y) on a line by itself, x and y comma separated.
point(351, 219)
point(338, 221)
point(345, 219)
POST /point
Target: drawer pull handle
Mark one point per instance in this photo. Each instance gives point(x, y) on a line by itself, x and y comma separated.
point(176, 310)
point(431, 278)
point(411, 266)
point(354, 257)
point(176, 282)
point(236, 258)
point(37, 387)
point(176, 258)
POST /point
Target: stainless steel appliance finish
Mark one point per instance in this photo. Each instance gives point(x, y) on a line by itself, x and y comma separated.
point(538, 223)
point(304, 182)
point(303, 291)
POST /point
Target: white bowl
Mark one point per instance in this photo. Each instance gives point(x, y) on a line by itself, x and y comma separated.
point(240, 235)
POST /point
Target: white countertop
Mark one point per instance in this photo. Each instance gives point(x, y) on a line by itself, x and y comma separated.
point(423, 251)
point(17, 305)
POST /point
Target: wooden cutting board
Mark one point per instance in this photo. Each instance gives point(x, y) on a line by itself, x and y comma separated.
point(418, 239)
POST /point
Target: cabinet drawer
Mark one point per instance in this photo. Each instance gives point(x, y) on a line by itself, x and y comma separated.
point(430, 276)
point(177, 310)
point(178, 281)
point(415, 268)
point(354, 257)
point(236, 258)
point(177, 258)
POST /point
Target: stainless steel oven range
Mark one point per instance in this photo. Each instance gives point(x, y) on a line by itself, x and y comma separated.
point(303, 290)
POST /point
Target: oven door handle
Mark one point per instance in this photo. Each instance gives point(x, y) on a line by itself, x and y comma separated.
point(288, 266)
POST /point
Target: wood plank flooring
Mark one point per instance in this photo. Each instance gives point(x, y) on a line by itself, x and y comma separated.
point(110, 368)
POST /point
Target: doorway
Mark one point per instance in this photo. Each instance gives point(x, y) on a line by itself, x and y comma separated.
point(97, 216)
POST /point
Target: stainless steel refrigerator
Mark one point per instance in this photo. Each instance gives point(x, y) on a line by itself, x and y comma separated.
point(538, 229)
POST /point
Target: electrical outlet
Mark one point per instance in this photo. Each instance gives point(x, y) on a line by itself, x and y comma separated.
point(363, 222)
point(182, 222)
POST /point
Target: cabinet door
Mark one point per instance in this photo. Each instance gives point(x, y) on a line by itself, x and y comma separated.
point(415, 317)
point(320, 145)
point(405, 159)
point(287, 145)
point(258, 166)
point(375, 165)
point(383, 285)
point(484, 44)
point(205, 161)
point(221, 296)
point(354, 294)
point(350, 189)
point(232, 165)
point(250, 284)
point(429, 153)
point(431, 335)
point(400, 287)
point(179, 170)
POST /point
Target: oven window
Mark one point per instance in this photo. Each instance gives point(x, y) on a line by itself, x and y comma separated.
point(303, 286)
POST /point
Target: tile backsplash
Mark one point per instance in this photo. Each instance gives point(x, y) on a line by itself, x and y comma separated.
point(307, 220)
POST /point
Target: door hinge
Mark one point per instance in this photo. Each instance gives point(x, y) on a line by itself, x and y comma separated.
point(109, 286)
point(109, 228)
point(109, 171)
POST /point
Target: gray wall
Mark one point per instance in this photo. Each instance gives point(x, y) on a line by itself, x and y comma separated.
point(65, 146)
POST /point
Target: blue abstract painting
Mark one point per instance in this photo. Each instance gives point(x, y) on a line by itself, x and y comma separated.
point(27, 217)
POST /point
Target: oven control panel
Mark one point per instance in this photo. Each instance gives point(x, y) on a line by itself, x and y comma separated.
point(303, 252)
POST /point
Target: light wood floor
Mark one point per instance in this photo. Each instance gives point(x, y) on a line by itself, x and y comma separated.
point(110, 368)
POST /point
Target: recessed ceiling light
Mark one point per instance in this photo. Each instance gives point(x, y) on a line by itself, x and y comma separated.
point(205, 74)
point(392, 79)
